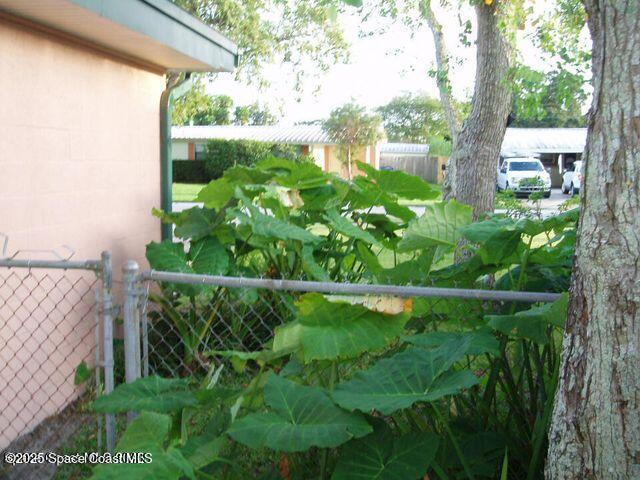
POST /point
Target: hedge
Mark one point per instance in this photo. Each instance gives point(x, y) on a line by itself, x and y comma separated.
point(190, 171)
point(219, 155)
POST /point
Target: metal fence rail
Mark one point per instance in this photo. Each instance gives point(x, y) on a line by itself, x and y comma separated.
point(54, 315)
point(173, 320)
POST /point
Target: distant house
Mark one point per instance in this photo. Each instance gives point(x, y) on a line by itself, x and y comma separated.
point(189, 142)
point(557, 148)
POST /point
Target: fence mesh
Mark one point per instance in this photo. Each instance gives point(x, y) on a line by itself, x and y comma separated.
point(47, 328)
point(178, 334)
point(183, 324)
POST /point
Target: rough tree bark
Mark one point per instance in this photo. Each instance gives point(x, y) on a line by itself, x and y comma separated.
point(442, 74)
point(471, 170)
point(595, 431)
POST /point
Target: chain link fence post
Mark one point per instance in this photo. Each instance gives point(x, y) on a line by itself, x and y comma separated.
point(107, 335)
point(131, 324)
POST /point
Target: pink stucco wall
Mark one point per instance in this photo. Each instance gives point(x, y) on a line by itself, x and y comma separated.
point(79, 148)
point(79, 166)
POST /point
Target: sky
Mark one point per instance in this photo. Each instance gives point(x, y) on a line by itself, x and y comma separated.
point(381, 66)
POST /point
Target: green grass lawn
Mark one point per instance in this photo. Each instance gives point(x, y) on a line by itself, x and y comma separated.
point(186, 192)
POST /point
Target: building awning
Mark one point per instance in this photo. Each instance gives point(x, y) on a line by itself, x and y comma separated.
point(295, 135)
point(155, 32)
point(528, 141)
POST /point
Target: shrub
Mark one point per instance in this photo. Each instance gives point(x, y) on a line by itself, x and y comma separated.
point(223, 154)
point(190, 171)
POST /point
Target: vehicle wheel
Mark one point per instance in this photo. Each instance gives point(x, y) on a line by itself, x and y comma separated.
point(564, 190)
point(574, 190)
point(547, 194)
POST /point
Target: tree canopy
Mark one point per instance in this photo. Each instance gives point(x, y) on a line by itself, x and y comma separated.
point(414, 119)
point(197, 107)
point(293, 33)
point(353, 128)
point(552, 99)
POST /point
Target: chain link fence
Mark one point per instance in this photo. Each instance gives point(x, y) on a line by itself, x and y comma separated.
point(180, 319)
point(54, 317)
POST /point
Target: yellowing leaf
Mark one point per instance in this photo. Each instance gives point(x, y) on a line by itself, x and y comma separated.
point(377, 303)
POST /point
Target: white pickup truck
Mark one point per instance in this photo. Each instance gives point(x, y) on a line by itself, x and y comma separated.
point(524, 175)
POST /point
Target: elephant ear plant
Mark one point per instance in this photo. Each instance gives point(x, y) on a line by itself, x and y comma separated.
point(353, 387)
point(342, 385)
point(280, 219)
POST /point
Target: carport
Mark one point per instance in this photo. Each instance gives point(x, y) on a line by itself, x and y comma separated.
point(557, 148)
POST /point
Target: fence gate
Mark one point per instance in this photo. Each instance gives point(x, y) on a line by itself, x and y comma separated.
point(55, 315)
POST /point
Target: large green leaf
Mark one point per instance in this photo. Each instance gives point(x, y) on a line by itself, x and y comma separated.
point(147, 434)
point(206, 256)
point(532, 324)
point(348, 228)
point(287, 337)
point(193, 223)
point(268, 226)
point(217, 193)
point(149, 393)
point(400, 183)
point(332, 330)
point(240, 175)
point(439, 225)
point(414, 375)
point(209, 257)
point(498, 237)
point(478, 342)
point(147, 430)
point(299, 418)
point(168, 257)
point(380, 456)
point(167, 464)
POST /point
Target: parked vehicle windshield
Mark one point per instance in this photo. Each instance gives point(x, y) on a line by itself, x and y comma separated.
point(525, 167)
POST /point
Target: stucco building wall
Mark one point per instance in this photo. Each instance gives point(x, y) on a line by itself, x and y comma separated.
point(79, 166)
point(79, 149)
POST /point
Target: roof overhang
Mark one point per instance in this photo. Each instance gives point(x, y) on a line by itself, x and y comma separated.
point(155, 32)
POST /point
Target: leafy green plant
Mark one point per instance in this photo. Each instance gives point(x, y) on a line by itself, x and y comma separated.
point(350, 379)
point(407, 388)
point(438, 402)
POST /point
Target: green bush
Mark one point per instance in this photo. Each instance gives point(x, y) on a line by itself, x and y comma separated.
point(223, 154)
point(190, 171)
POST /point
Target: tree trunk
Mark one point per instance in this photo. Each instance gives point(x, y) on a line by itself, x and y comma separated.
point(595, 431)
point(471, 171)
point(349, 168)
point(442, 74)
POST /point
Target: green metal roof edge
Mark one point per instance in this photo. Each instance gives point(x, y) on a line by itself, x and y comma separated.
point(170, 25)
